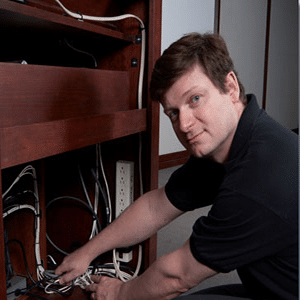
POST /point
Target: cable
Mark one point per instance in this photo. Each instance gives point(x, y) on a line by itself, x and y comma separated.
point(8, 266)
point(28, 170)
point(117, 267)
point(142, 62)
point(101, 19)
point(113, 19)
point(49, 283)
point(82, 52)
point(95, 208)
point(75, 199)
point(37, 240)
point(107, 206)
point(24, 257)
point(25, 171)
point(139, 104)
point(15, 196)
point(99, 155)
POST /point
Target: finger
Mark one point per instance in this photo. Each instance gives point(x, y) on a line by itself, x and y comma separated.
point(96, 278)
point(59, 270)
point(92, 288)
point(62, 269)
point(67, 278)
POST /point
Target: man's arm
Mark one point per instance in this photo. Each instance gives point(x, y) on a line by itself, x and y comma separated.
point(140, 221)
point(170, 276)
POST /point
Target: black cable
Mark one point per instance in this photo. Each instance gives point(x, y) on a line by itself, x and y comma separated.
point(81, 51)
point(31, 295)
point(26, 291)
point(9, 199)
point(95, 217)
point(24, 257)
point(122, 267)
point(8, 266)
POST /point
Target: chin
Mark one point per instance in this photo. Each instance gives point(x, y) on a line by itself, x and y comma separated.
point(196, 152)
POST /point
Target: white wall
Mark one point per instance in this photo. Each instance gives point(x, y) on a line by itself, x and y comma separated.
point(178, 18)
point(243, 26)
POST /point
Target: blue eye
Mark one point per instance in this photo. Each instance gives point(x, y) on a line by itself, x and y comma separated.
point(173, 114)
point(196, 99)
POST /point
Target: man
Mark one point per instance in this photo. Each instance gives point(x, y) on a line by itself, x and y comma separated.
point(242, 162)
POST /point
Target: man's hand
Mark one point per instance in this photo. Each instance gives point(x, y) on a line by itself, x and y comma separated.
point(105, 288)
point(72, 266)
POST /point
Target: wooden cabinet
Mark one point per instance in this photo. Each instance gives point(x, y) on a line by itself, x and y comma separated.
point(67, 86)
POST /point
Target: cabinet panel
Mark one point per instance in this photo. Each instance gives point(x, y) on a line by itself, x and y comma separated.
point(64, 104)
point(36, 141)
point(35, 94)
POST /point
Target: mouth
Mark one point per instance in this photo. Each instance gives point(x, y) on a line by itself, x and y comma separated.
point(194, 139)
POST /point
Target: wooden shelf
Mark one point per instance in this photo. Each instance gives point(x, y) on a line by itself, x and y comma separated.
point(21, 144)
point(19, 16)
point(59, 93)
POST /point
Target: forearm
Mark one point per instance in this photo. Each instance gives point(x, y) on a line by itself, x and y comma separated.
point(170, 276)
point(154, 283)
point(140, 221)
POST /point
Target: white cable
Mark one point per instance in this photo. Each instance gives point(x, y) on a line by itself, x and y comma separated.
point(105, 181)
point(92, 18)
point(25, 171)
point(94, 230)
point(113, 19)
point(139, 104)
point(37, 233)
point(142, 62)
point(29, 170)
point(19, 207)
point(120, 273)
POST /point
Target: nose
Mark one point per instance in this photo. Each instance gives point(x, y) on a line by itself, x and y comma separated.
point(186, 120)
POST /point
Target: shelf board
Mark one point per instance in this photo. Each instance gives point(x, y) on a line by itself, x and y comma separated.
point(25, 17)
point(39, 94)
point(22, 144)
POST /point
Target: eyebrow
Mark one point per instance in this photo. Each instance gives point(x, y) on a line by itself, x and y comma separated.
point(189, 90)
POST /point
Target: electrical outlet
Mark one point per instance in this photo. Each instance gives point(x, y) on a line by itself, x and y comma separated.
point(124, 185)
point(124, 196)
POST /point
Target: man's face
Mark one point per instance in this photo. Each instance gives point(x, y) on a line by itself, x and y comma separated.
point(203, 118)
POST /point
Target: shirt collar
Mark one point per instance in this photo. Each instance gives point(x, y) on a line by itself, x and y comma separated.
point(244, 129)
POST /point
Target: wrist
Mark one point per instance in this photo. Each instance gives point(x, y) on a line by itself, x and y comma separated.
point(124, 291)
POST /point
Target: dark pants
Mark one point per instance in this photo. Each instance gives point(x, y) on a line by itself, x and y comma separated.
point(222, 292)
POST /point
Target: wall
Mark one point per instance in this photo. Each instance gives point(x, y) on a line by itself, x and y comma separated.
point(243, 26)
point(282, 85)
point(178, 18)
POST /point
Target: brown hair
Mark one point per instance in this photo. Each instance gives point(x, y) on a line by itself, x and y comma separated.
point(208, 50)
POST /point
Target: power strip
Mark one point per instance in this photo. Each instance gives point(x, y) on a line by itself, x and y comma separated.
point(124, 185)
point(124, 195)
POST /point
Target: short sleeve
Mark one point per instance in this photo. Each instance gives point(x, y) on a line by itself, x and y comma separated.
point(195, 184)
point(239, 232)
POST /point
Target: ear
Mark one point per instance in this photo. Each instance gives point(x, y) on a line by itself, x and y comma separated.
point(233, 86)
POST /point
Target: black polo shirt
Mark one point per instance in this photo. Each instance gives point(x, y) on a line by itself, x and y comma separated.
point(253, 222)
